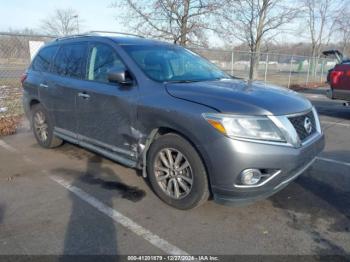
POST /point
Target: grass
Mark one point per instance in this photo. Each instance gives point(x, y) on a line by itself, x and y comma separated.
point(14, 107)
point(10, 82)
point(282, 78)
point(11, 96)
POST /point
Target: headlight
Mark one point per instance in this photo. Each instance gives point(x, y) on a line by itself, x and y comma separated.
point(246, 127)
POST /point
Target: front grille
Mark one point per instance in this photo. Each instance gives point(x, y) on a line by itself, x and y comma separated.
point(299, 124)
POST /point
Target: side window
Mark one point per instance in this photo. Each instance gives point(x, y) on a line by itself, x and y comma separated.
point(44, 58)
point(178, 65)
point(70, 60)
point(103, 59)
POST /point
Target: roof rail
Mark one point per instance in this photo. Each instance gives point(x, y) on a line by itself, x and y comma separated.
point(94, 33)
point(112, 32)
point(72, 36)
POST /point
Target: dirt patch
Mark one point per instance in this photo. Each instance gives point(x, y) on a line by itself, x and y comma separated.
point(300, 87)
point(9, 125)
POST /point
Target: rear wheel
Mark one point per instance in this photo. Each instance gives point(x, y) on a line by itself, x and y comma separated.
point(43, 128)
point(176, 172)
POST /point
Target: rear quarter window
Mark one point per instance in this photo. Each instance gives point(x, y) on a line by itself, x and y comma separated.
point(70, 60)
point(44, 58)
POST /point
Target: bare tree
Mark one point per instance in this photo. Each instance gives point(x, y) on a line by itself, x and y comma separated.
point(180, 21)
point(253, 22)
point(342, 29)
point(320, 21)
point(63, 22)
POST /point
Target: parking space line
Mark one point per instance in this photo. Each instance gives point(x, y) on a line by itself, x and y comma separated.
point(118, 217)
point(6, 146)
point(335, 123)
point(152, 238)
point(333, 161)
point(314, 96)
point(147, 235)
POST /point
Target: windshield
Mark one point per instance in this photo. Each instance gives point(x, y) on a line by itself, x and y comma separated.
point(173, 64)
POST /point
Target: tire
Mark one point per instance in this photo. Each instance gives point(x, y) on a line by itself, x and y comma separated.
point(160, 174)
point(41, 123)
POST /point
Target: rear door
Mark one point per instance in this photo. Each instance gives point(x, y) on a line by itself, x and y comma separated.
point(106, 111)
point(38, 81)
point(67, 78)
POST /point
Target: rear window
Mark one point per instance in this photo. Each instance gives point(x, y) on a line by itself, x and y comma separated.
point(44, 58)
point(70, 60)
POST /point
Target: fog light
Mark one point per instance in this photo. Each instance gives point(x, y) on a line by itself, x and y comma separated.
point(250, 176)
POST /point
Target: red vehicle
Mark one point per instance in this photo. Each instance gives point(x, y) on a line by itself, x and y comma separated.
point(339, 77)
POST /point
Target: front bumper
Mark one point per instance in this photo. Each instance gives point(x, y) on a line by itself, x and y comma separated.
point(236, 156)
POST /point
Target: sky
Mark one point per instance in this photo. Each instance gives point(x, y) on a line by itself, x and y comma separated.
point(95, 15)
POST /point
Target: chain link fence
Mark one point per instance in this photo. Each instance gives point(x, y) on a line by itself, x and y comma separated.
point(279, 69)
point(16, 52)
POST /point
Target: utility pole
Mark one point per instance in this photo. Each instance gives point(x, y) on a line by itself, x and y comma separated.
point(77, 20)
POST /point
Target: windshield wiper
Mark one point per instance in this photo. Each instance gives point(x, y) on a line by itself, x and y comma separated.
point(182, 81)
point(228, 78)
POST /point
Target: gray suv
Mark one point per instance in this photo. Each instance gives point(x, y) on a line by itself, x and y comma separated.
point(194, 131)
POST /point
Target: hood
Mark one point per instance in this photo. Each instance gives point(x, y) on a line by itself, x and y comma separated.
point(241, 97)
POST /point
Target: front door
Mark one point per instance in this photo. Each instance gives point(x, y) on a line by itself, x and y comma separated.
point(106, 111)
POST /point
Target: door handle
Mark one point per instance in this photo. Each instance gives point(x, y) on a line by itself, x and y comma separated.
point(84, 95)
point(44, 85)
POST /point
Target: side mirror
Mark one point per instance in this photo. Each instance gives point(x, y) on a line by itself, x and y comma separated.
point(119, 77)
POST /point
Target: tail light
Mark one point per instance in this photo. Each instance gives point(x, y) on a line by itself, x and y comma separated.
point(335, 77)
point(23, 78)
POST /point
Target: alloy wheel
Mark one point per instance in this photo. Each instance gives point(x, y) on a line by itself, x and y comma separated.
point(40, 126)
point(173, 173)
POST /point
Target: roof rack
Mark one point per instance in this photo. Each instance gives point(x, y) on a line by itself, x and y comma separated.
point(95, 33)
point(112, 32)
point(72, 36)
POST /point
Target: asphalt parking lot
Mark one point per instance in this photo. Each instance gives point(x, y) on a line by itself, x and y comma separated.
point(71, 201)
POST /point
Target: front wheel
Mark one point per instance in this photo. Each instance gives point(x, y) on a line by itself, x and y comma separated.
point(176, 172)
point(43, 128)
